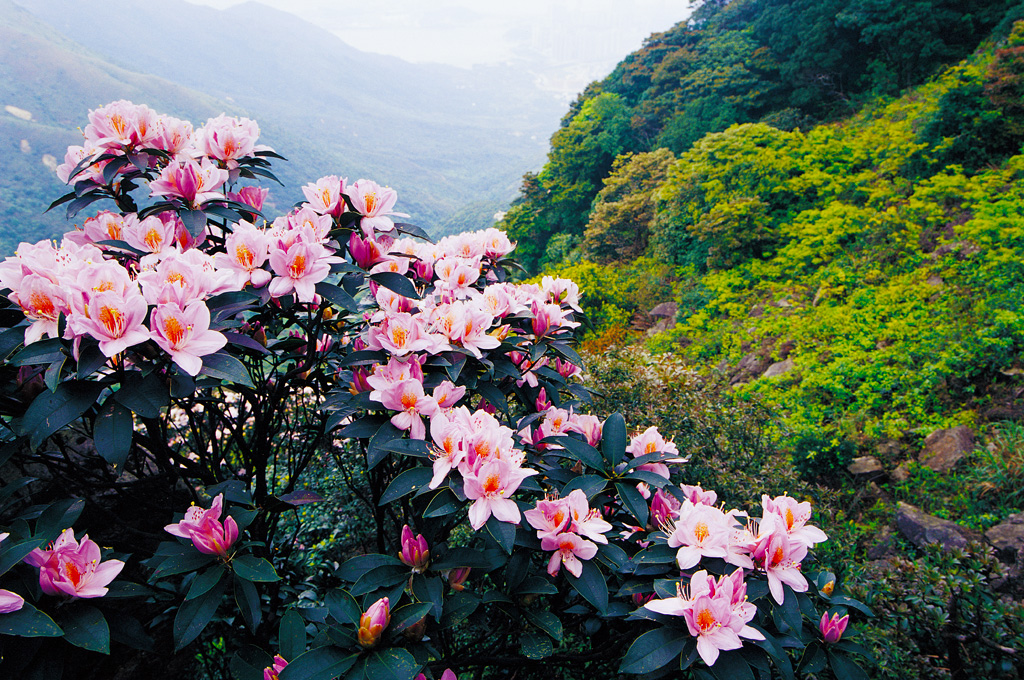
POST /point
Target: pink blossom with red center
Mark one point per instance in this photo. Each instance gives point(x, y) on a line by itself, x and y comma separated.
point(780, 557)
point(369, 251)
point(185, 334)
point(795, 516)
point(72, 568)
point(375, 204)
point(204, 528)
point(116, 320)
point(569, 549)
point(325, 195)
point(252, 196)
point(589, 426)
point(42, 302)
point(227, 139)
point(550, 517)
point(700, 531)
point(193, 182)
point(299, 268)
point(491, 488)
point(412, 404)
point(448, 436)
point(247, 249)
point(173, 135)
point(121, 124)
point(401, 334)
point(650, 441)
point(151, 235)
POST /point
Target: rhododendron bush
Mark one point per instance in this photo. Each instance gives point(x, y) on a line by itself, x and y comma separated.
point(174, 368)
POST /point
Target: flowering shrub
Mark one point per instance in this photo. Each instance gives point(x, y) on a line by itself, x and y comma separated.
point(183, 349)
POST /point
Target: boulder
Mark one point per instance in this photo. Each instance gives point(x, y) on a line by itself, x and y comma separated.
point(921, 529)
point(749, 366)
point(865, 465)
point(902, 472)
point(665, 309)
point(943, 449)
point(779, 368)
point(1008, 537)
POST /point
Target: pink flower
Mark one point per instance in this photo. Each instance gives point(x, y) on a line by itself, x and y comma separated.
point(780, 557)
point(73, 568)
point(589, 426)
point(115, 319)
point(373, 622)
point(833, 628)
point(121, 124)
point(586, 521)
point(42, 301)
point(795, 516)
point(448, 436)
point(491, 489)
point(457, 578)
point(254, 197)
point(246, 251)
point(299, 267)
point(367, 253)
point(192, 182)
point(324, 195)
point(412, 404)
point(699, 496)
point(447, 394)
point(569, 549)
point(151, 235)
point(700, 531)
point(664, 506)
point(415, 551)
point(650, 441)
point(205, 530)
point(374, 203)
point(401, 334)
point(185, 334)
point(9, 602)
point(272, 672)
point(227, 139)
point(549, 517)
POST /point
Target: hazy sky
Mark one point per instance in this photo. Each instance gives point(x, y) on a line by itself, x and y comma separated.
point(582, 39)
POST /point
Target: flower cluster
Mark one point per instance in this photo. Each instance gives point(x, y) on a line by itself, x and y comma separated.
point(203, 527)
point(564, 525)
point(72, 568)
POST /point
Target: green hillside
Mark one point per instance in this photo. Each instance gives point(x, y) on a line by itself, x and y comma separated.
point(840, 220)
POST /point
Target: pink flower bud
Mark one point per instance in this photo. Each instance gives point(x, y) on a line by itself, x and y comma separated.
point(203, 527)
point(457, 578)
point(832, 628)
point(272, 672)
point(543, 403)
point(373, 622)
point(415, 551)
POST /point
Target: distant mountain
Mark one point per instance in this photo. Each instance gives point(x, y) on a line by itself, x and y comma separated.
point(447, 139)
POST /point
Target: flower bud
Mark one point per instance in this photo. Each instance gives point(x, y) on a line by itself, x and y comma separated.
point(828, 588)
point(373, 622)
point(832, 628)
point(457, 578)
point(415, 551)
point(272, 672)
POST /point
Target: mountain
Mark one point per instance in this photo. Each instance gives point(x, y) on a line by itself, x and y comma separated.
point(447, 139)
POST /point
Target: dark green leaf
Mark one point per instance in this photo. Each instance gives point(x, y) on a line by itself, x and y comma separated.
point(112, 433)
point(408, 615)
point(458, 608)
point(653, 650)
point(14, 553)
point(591, 585)
point(583, 452)
point(53, 373)
point(633, 502)
point(249, 661)
point(319, 663)
point(406, 483)
point(226, 367)
point(845, 668)
point(396, 283)
point(58, 516)
point(547, 622)
point(412, 230)
point(731, 666)
point(343, 607)
point(614, 439)
point(190, 561)
point(445, 502)
point(90, 359)
point(375, 453)
point(390, 664)
point(591, 485)
point(417, 448)
point(362, 428)
point(29, 622)
point(504, 533)
point(50, 411)
point(337, 296)
point(535, 646)
point(357, 566)
point(40, 352)
point(384, 576)
point(203, 582)
point(195, 221)
point(248, 600)
point(194, 615)
point(84, 626)
point(253, 568)
point(429, 589)
point(291, 635)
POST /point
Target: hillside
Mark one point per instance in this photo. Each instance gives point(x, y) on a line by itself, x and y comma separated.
point(448, 139)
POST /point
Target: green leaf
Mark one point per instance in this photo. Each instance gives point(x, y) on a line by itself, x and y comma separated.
point(653, 650)
point(504, 533)
point(193, 560)
point(417, 448)
point(112, 433)
point(614, 439)
point(390, 664)
point(357, 566)
point(202, 583)
point(342, 607)
point(445, 502)
point(15, 552)
point(194, 615)
point(845, 668)
point(84, 626)
point(226, 367)
point(29, 622)
point(53, 373)
point(10, 340)
point(547, 622)
point(591, 585)
point(458, 608)
point(591, 485)
point(633, 502)
point(337, 296)
point(248, 600)
point(384, 576)
point(731, 666)
point(319, 663)
point(406, 483)
point(249, 661)
point(375, 453)
point(252, 568)
point(535, 646)
point(145, 395)
point(429, 589)
point(90, 359)
point(40, 352)
point(408, 615)
point(50, 411)
point(195, 221)
point(583, 452)
point(57, 517)
point(813, 659)
point(396, 283)
point(291, 635)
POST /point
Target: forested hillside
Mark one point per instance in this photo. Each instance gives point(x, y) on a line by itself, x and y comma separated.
point(832, 193)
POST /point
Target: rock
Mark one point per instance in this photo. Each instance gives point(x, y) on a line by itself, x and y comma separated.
point(883, 546)
point(749, 366)
point(902, 472)
point(1008, 538)
point(667, 309)
point(935, 281)
point(943, 449)
point(921, 529)
point(778, 368)
point(865, 465)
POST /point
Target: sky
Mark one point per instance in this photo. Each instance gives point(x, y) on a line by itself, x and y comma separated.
point(568, 43)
